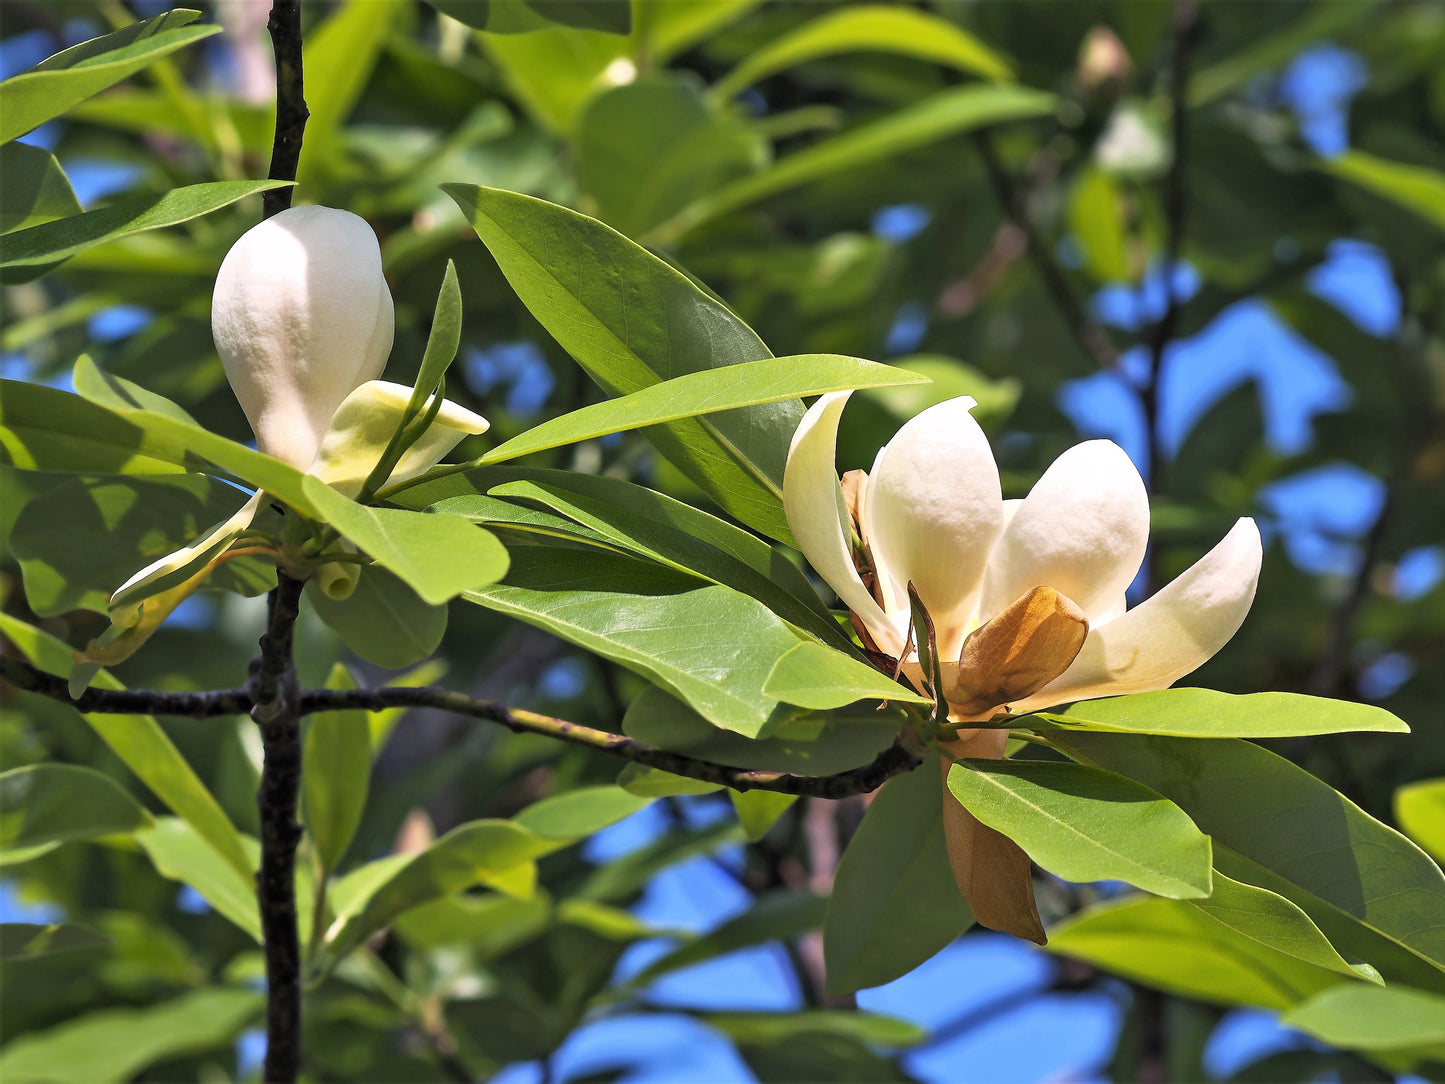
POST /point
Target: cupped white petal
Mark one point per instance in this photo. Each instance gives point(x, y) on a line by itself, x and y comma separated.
point(936, 510)
point(1169, 635)
point(363, 425)
point(818, 516)
point(1082, 530)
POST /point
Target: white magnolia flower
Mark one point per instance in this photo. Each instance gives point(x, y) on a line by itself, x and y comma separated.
point(931, 513)
point(301, 316)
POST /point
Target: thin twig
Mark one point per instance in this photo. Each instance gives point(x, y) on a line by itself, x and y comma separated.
point(291, 112)
point(895, 760)
point(1091, 337)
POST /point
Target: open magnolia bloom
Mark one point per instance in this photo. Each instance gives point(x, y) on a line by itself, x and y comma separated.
point(1026, 597)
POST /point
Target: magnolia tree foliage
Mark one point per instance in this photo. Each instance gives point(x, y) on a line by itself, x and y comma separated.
point(973, 695)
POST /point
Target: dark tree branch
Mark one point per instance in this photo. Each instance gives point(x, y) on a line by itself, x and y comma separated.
point(291, 112)
point(895, 760)
point(276, 710)
point(1175, 213)
point(1091, 337)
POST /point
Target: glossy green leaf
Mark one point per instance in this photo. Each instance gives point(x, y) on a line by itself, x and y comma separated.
point(1416, 188)
point(1392, 1020)
point(759, 810)
point(1272, 920)
point(335, 774)
point(113, 1045)
point(1204, 713)
point(23, 941)
point(894, 902)
point(648, 148)
point(145, 749)
point(81, 540)
point(711, 646)
point(818, 677)
point(649, 524)
point(50, 803)
point(1279, 819)
point(39, 247)
point(33, 188)
point(577, 814)
point(1420, 811)
point(632, 321)
point(442, 341)
point(1084, 824)
point(177, 851)
point(779, 916)
point(948, 113)
point(438, 555)
point(1175, 947)
point(383, 620)
point(45, 429)
point(645, 782)
point(55, 84)
point(474, 853)
point(828, 743)
point(868, 28)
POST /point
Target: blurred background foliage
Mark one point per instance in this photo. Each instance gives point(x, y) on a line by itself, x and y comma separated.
point(809, 163)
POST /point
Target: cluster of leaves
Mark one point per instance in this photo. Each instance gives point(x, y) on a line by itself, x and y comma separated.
point(1266, 885)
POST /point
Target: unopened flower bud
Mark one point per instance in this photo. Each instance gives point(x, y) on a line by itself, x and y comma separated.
point(301, 317)
point(1104, 63)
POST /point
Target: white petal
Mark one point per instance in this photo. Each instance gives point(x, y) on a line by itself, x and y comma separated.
point(936, 511)
point(362, 427)
point(818, 517)
point(1082, 530)
point(1167, 636)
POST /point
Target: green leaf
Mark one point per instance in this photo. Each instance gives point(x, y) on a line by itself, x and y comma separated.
point(511, 17)
point(383, 620)
point(759, 810)
point(489, 925)
point(1270, 919)
point(1204, 713)
point(50, 803)
point(1416, 188)
point(113, 1045)
point(711, 646)
point(1330, 857)
point(555, 72)
point(22, 941)
point(338, 59)
point(818, 677)
point(335, 776)
point(648, 148)
point(710, 391)
point(1096, 219)
point(779, 916)
point(894, 902)
point(33, 188)
point(31, 251)
point(646, 782)
point(79, 541)
point(948, 113)
point(608, 16)
point(55, 84)
point(834, 742)
point(871, 1029)
point(438, 555)
point(577, 814)
point(632, 321)
point(177, 851)
point(1084, 824)
point(144, 748)
point(646, 523)
point(474, 853)
point(45, 429)
point(442, 342)
point(870, 28)
point(116, 392)
point(1173, 946)
point(1420, 811)
point(620, 879)
point(1393, 1020)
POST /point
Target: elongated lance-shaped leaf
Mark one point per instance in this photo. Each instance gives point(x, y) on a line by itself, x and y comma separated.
point(632, 321)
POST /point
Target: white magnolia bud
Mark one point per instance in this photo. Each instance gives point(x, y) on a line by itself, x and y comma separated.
point(301, 317)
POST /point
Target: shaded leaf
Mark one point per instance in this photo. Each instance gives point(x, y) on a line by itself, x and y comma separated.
point(179, 852)
point(383, 620)
point(335, 775)
point(22, 941)
point(759, 810)
point(51, 803)
point(33, 188)
point(1416, 188)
